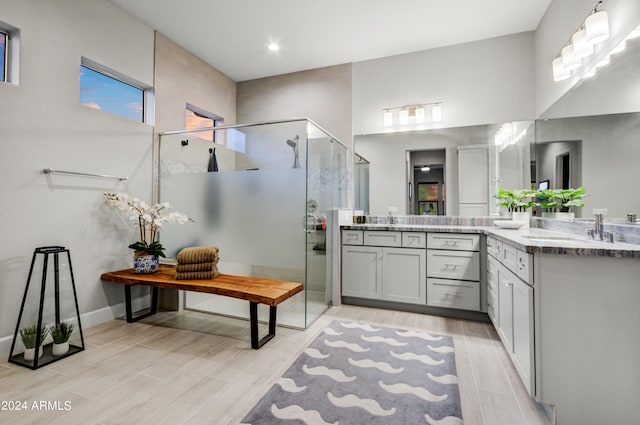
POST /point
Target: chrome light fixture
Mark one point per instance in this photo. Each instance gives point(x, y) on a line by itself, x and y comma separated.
point(597, 26)
point(412, 114)
point(594, 29)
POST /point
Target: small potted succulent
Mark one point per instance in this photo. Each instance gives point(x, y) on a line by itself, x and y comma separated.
point(61, 332)
point(29, 337)
point(556, 203)
point(518, 202)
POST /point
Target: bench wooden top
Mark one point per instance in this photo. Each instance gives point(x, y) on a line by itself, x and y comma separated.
point(256, 289)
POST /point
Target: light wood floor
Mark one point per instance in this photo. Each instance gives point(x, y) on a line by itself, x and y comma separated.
point(196, 369)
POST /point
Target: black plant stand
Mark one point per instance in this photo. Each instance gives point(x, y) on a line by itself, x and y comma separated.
point(47, 356)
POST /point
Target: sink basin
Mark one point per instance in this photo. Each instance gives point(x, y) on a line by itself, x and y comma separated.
point(549, 238)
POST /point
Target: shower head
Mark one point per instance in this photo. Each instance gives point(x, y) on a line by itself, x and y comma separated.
point(292, 143)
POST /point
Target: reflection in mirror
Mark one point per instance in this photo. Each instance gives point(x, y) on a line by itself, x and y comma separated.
point(472, 161)
point(597, 125)
point(361, 183)
point(602, 153)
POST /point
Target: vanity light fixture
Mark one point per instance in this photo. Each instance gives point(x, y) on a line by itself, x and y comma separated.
point(436, 113)
point(387, 118)
point(594, 29)
point(425, 168)
point(412, 114)
point(403, 117)
point(597, 26)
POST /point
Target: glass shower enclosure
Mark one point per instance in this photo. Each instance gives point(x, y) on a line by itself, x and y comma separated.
point(261, 193)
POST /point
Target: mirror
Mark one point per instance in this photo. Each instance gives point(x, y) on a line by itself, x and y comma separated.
point(361, 183)
point(499, 153)
point(590, 137)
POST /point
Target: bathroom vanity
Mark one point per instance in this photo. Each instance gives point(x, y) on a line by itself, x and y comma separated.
point(565, 307)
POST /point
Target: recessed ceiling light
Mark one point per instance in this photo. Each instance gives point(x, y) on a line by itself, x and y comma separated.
point(273, 47)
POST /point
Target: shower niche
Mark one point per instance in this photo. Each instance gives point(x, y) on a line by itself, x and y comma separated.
point(266, 207)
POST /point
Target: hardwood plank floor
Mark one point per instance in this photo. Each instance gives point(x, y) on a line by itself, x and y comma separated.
point(192, 368)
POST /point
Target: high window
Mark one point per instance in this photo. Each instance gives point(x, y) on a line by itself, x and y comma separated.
point(3, 55)
point(112, 92)
point(199, 118)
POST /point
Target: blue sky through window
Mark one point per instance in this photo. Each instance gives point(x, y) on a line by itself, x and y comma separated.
point(102, 92)
point(3, 59)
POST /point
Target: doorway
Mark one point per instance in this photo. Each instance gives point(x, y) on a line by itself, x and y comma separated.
point(427, 182)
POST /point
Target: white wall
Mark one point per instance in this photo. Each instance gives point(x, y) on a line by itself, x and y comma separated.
point(482, 82)
point(323, 95)
point(558, 24)
point(42, 124)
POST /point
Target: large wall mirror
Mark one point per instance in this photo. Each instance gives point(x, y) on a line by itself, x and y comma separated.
point(590, 137)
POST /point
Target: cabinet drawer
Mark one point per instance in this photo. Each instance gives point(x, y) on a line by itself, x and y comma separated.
point(525, 271)
point(453, 264)
point(382, 238)
point(352, 237)
point(453, 241)
point(453, 294)
point(414, 240)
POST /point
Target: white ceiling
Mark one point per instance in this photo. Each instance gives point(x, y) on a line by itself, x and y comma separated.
point(232, 35)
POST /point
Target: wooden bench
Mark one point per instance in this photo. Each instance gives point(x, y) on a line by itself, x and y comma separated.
point(256, 290)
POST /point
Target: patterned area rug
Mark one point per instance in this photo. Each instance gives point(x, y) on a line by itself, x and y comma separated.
point(358, 374)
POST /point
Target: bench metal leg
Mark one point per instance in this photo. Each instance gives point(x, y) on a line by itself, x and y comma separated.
point(127, 304)
point(253, 315)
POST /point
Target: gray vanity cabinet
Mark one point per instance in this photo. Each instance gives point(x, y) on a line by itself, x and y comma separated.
point(384, 265)
point(508, 280)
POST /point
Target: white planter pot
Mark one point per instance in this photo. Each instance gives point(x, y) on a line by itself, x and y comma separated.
point(29, 353)
point(559, 215)
point(60, 349)
point(522, 217)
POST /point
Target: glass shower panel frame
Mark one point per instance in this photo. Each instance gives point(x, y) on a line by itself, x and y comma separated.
point(256, 208)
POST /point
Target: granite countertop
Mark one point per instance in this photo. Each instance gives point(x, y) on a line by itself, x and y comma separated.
point(531, 240)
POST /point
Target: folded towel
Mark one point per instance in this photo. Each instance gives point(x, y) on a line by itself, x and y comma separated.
point(198, 254)
point(196, 267)
point(197, 275)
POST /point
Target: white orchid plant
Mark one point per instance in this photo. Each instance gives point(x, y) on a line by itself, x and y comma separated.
point(149, 219)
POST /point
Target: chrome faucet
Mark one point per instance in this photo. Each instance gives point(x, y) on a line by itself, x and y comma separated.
point(598, 233)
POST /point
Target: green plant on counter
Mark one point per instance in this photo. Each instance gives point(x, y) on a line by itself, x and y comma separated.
point(561, 200)
point(29, 335)
point(517, 200)
point(61, 332)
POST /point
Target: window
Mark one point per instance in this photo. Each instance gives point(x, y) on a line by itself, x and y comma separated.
point(108, 91)
point(199, 118)
point(3, 55)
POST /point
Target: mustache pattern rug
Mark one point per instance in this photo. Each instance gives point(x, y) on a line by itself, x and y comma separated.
point(359, 374)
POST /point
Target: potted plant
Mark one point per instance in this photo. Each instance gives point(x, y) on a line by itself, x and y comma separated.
point(149, 220)
point(29, 337)
point(60, 332)
point(556, 203)
point(517, 202)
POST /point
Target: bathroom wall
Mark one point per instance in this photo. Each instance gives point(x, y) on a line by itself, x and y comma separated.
point(322, 95)
point(482, 82)
point(42, 124)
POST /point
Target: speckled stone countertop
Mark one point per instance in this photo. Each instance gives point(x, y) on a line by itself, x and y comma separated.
point(531, 240)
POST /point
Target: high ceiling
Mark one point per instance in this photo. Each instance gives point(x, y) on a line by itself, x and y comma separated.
point(233, 35)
